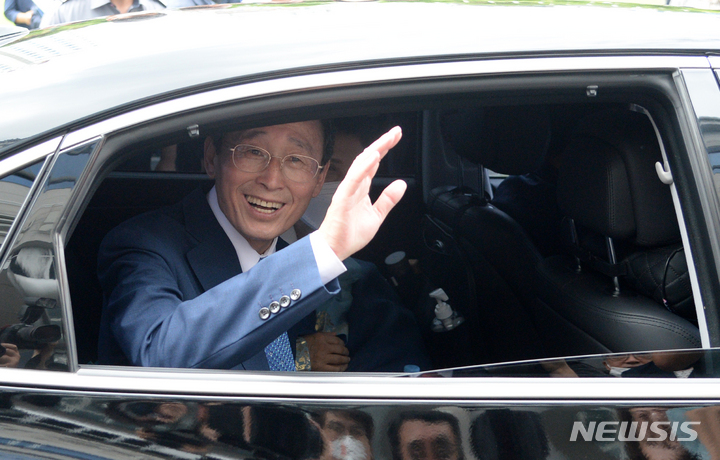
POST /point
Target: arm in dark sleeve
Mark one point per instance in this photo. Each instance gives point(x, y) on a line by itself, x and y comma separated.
point(383, 334)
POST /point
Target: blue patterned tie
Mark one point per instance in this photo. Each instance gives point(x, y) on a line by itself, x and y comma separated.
point(279, 355)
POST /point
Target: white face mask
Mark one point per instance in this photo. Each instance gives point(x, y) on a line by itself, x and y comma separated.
point(349, 448)
point(617, 371)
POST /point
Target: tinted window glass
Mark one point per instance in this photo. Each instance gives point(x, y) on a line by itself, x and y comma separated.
point(352, 135)
point(14, 189)
point(32, 321)
point(703, 89)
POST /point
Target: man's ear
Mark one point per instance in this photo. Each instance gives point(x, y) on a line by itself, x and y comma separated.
point(209, 157)
point(321, 180)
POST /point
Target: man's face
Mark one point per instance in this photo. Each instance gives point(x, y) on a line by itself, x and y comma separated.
point(420, 440)
point(263, 205)
point(346, 436)
point(665, 449)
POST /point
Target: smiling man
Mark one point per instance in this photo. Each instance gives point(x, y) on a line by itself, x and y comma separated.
point(204, 284)
point(263, 198)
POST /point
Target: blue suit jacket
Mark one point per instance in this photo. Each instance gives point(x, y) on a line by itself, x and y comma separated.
point(175, 296)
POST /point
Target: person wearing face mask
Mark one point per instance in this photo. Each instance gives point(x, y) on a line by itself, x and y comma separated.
point(348, 433)
point(331, 317)
point(617, 365)
point(680, 364)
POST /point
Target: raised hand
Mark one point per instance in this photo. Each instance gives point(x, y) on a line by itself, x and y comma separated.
point(352, 220)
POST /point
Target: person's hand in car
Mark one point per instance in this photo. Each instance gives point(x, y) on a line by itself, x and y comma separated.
point(10, 356)
point(327, 352)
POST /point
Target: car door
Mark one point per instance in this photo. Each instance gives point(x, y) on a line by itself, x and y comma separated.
point(84, 410)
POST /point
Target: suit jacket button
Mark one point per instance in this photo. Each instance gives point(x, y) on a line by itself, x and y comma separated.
point(264, 313)
point(275, 306)
point(295, 294)
point(284, 301)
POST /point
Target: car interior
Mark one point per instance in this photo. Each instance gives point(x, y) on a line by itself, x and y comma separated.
point(534, 206)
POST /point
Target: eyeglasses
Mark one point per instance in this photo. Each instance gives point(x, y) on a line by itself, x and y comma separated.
point(297, 168)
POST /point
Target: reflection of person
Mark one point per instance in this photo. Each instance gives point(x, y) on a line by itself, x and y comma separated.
point(657, 442)
point(78, 10)
point(32, 273)
point(679, 364)
point(23, 13)
point(174, 298)
point(558, 368)
point(282, 432)
point(416, 435)
point(348, 433)
point(181, 425)
point(619, 364)
point(9, 355)
point(706, 421)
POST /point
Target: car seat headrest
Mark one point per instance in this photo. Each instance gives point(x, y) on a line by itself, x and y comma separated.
point(608, 183)
point(507, 140)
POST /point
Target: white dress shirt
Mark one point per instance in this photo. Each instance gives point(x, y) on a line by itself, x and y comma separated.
point(329, 265)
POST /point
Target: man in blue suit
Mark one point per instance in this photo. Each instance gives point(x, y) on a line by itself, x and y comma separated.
point(182, 289)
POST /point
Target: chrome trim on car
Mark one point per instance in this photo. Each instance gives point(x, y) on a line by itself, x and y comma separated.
point(379, 389)
point(28, 157)
point(702, 173)
point(257, 384)
point(68, 324)
point(39, 230)
point(695, 285)
point(384, 74)
point(26, 160)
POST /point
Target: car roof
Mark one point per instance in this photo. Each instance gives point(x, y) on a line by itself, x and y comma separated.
point(57, 76)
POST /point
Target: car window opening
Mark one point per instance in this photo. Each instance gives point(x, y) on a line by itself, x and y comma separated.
point(507, 246)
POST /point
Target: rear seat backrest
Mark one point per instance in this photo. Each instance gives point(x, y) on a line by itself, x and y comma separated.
point(497, 249)
point(628, 203)
point(608, 187)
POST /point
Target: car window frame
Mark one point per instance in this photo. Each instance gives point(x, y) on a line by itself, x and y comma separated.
point(306, 85)
point(16, 162)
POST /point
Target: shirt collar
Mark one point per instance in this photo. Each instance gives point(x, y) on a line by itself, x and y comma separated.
point(247, 256)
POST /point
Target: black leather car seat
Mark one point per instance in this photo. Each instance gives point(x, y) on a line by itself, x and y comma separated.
point(621, 227)
point(493, 247)
point(534, 305)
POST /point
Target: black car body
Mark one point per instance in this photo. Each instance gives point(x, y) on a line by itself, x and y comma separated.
point(482, 90)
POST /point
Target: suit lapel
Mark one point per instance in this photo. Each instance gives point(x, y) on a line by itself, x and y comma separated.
point(213, 259)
